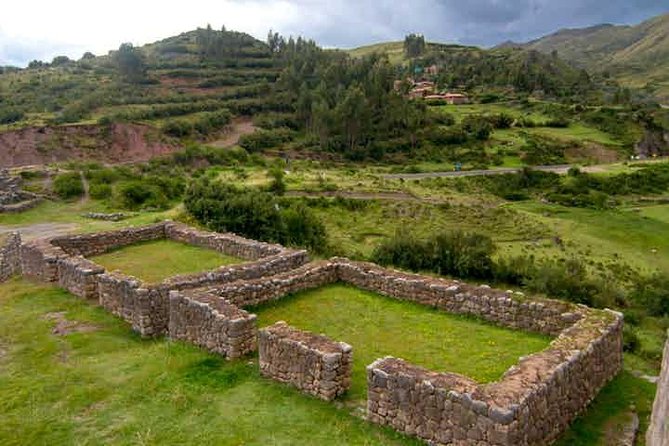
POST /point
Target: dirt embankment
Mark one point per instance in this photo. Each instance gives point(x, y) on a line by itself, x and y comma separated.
point(116, 143)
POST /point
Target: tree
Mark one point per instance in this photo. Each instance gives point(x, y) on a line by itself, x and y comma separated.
point(130, 63)
point(414, 45)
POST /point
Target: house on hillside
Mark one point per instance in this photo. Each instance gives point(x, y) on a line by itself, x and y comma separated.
point(432, 70)
point(448, 98)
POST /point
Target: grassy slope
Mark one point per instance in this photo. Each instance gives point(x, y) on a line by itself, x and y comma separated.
point(378, 326)
point(111, 387)
point(157, 260)
point(637, 55)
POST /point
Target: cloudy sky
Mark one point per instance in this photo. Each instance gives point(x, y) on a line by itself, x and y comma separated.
point(42, 29)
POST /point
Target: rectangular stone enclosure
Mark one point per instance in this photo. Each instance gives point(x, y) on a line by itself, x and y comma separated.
point(312, 363)
point(532, 404)
point(63, 260)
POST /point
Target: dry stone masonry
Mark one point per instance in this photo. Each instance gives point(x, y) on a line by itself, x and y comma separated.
point(212, 324)
point(658, 431)
point(312, 363)
point(532, 404)
point(10, 259)
point(146, 307)
point(12, 197)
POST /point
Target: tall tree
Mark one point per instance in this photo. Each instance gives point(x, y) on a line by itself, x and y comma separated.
point(130, 63)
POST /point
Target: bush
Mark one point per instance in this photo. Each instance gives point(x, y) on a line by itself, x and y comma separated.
point(631, 341)
point(567, 281)
point(68, 185)
point(277, 186)
point(255, 214)
point(137, 194)
point(265, 139)
point(652, 293)
point(479, 127)
point(100, 191)
point(450, 253)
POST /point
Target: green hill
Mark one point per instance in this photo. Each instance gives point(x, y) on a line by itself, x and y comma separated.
point(637, 56)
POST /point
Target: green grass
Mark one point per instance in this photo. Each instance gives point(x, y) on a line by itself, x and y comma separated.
point(636, 238)
point(377, 326)
point(576, 132)
point(609, 409)
point(157, 260)
point(110, 386)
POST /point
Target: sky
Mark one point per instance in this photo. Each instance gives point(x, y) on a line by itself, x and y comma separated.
point(43, 29)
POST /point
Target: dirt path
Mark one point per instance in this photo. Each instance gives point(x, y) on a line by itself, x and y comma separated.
point(561, 169)
point(397, 196)
point(38, 230)
point(238, 128)
point(84, 183)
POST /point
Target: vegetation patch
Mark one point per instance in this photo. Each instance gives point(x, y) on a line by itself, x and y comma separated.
point(156, 261)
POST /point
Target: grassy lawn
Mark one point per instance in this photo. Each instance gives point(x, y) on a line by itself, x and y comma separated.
point(157, 260)
point(639, 239)
point(577, 132)
point(377, 326)
point(108, 386)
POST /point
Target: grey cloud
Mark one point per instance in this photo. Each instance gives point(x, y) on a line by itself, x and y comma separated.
point(478, 22)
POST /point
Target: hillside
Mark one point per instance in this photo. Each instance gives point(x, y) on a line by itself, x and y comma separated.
point(190, 85)
point(638, 56)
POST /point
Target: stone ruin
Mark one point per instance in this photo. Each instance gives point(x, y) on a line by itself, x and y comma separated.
point(12, 197)
point(532, 404)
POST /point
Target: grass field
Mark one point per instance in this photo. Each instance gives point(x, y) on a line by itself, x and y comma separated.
point(105, 385)
point(377, 326)
point(157, 260)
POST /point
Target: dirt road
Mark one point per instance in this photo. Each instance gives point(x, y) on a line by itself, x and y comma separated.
point(560, 169)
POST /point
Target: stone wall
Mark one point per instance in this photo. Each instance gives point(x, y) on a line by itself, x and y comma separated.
point(89, 245)
point(312, 363)
point(534, 401)
point(658, 430)
point(532, 404)
point(211, 323)
point(78, 275)
point(497, 306)
point(229, 244)
point(248, 293)
point(10, 256)
point(12, 197)
point(39, 260)
point(147, 306)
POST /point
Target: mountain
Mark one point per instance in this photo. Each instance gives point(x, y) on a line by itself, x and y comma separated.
point(637, 56)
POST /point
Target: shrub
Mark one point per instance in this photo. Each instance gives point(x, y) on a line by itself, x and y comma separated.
point(137, 194)
point(68, 185)
point(478, 126)
point(100, 191)
point(277, 186)
point(255, 214)
point(652, 293)
point(265, 139)
point(631, 341)
point(450, 253)
point(568, 281)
